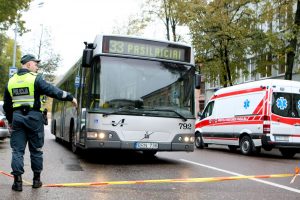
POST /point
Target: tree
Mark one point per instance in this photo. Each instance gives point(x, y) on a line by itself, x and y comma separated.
point(50, 60)
point(134, 26)
point(9, 13)
point(166, 11)
point(224, 33)
point(282, 32)
point(6, 49)
point(292, 43)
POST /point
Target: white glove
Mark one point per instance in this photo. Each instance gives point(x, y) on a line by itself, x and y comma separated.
point(74, 102)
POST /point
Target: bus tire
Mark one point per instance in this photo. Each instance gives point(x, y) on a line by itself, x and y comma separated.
point(54, 131)
point(199, 141)
point(246, 145)
point(74, 148)
point(287, 153)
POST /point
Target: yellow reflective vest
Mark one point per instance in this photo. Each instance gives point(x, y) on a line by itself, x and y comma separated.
point(21, 89)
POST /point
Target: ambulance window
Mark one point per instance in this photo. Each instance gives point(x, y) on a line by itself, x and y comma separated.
point(296, 106)
point(208, 110)
point(281, 104)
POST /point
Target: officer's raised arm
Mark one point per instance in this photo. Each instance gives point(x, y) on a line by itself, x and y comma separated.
point(52, 91)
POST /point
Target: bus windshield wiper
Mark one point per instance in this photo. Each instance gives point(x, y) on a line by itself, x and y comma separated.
point(168, 110)
point(120, 110)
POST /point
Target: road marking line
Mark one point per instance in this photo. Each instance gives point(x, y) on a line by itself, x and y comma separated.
point(237, 174)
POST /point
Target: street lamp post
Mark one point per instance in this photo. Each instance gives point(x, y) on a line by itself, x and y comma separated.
point(16, 33)
point(40, 44)
point(15, 45)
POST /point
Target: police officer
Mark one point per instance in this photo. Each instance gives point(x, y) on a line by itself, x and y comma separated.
point(22, 108)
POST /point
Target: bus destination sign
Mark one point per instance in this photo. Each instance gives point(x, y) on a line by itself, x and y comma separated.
point(145, 48)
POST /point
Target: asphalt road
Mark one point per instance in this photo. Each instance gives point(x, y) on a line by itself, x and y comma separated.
point(62, 166)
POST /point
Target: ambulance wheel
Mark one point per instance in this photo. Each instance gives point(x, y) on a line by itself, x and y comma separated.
point(287, 153)
point(246, 145)
point(199, 141)
point(267, 148)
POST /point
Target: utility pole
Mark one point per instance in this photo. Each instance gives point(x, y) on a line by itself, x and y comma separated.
point(16, 34)
point(15, 45)
point(40, 45)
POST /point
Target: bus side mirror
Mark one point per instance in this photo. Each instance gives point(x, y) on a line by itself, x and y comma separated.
point(199, 114)
point(87, 57)
point(197, 81)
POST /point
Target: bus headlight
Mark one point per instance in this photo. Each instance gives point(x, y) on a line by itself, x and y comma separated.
point(186, 139)
point(92, 135)
point(192, 139)
point(101, 135)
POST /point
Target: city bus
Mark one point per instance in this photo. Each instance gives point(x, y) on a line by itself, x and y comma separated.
point(133, 93)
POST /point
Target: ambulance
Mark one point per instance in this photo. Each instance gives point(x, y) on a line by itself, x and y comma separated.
point(261, 114)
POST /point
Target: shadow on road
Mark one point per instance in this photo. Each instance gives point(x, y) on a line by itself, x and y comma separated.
point(117, 157)
point(121, 157)
point(273, 154)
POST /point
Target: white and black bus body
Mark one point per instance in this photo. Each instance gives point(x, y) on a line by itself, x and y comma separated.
point(133, 93)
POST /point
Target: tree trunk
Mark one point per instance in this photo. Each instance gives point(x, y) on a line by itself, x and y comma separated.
point(174, 32)
point(167, 20)
point(227, 66)
point(291, 48)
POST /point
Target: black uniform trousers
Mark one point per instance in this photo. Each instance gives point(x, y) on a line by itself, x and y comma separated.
point(27, 128)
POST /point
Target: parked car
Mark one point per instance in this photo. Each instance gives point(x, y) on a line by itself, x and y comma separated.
point(4, 130)
point(1, 106)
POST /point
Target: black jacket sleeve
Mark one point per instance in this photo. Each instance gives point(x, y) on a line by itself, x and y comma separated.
point(45, 88)
point(7, 105)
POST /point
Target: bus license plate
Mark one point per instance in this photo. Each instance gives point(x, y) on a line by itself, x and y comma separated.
point(282, 138)
point(146, 145)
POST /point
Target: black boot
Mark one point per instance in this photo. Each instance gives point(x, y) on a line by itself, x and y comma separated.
point(17, 185)
point(37, 183)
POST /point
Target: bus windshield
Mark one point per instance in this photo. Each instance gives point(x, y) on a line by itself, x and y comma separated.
point(142, 87)
point(286, 104)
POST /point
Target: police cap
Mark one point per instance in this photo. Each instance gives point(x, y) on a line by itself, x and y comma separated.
point(29, 57)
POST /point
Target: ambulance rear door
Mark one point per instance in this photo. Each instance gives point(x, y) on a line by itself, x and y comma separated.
point(281, 118)
point(295, 115)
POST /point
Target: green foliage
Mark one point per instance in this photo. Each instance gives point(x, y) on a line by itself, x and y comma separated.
point(134, 26)
point(167, 12)
point(225, 33)
point(49, 66)
point(10, 13)
point(50, 60)
point(6, 59)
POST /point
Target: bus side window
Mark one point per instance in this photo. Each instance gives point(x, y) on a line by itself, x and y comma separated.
point(208, 110)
